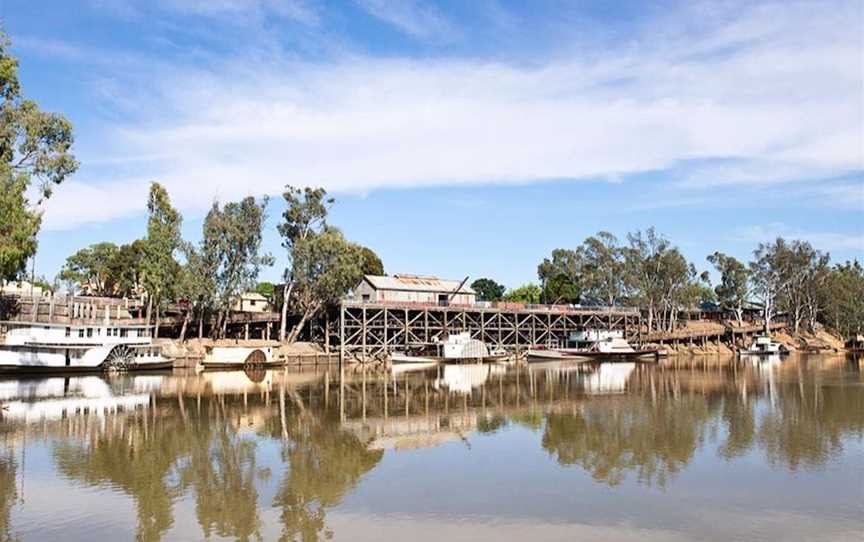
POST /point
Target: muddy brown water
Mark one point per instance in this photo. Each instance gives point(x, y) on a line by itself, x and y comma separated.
point(702, 449)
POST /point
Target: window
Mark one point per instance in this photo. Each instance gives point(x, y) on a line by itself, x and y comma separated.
point(123, 332)
point(89, 332)
point(68, 331)
point(252, 302)
point(81, 333)
point(365, 298)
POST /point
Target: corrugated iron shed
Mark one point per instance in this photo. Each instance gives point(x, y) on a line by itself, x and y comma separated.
point(417, 283)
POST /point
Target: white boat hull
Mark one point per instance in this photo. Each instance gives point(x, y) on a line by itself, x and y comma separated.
point(39, 359)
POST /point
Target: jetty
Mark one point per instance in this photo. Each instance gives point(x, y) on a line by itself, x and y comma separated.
point(371, 330)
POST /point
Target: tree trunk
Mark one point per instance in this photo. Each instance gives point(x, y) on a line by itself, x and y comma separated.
point(201, 325)
point(149, 308)
point(295, 331)
point(156, 327)
point(186, 316)
point(651, 318)
point(283, 322)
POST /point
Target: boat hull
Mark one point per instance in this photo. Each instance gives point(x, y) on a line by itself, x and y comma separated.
point(40, 360)
point(239, 364)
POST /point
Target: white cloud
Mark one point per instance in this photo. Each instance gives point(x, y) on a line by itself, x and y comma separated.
point(774, 96)
point(826, 241)
point(414, 17)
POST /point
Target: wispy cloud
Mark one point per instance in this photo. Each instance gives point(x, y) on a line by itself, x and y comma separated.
point(764, 95)
point(298, 10)
point(828, 241)
point(414, 17)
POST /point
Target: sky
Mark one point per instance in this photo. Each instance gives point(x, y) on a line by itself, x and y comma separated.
point(459, 138)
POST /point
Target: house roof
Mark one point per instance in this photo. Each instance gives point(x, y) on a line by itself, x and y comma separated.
point(253, 295)
point(417, 283)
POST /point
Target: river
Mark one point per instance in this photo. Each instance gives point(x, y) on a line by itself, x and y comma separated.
point(701, 449)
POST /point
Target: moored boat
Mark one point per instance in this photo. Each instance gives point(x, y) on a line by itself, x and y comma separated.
point(42, 347)
point(239, 357)
point(765, 346)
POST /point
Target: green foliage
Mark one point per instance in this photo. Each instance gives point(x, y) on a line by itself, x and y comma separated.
point(34, 147)
point(789, 276)
point(603, 273)
point(842, 297)
point(734, 288)
point(305, 213)
point(660, 279)
point(267, 289)
point(104, 269)
point(230, 253)
point(18, 226)
point(372, 264)
point(159, 268)
point(488, 289)
point(561, 277)
point(91, 268)
point(325, 267)
point(527, 293)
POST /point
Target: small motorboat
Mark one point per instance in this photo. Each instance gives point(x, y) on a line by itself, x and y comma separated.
point(556, 354)
point(458, 347)
point(765, 346)
point(400, 358)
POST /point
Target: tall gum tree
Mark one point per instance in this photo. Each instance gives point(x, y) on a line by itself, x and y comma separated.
point(35, 155)
point(305, 215)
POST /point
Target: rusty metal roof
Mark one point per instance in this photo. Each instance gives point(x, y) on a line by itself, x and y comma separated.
point(417, 283)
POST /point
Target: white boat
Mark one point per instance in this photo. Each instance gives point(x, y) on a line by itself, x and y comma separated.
point(56, 398)
point(457, 347)
point(765, 346)
point(37, 347)
point(399, 358)
point(233, 357)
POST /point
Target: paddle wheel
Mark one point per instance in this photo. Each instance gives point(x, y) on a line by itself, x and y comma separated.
point(120, 358)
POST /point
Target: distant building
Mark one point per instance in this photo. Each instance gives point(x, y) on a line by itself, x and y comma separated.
point(21, 288)
point(414, 289)
point(251, 302)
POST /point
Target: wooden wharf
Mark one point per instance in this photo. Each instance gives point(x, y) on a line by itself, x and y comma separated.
point(369, 331)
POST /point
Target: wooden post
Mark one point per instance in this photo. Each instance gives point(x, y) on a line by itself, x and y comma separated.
point(341, 340)
point(327, 332)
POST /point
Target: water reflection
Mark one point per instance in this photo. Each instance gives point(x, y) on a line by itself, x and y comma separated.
point(269, 455)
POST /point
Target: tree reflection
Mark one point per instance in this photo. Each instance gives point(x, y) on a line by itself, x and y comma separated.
point(138, 462)
point(8, 495)
point(222, 470)
point(611, 438)
point(740, 421)
point(810, 422)
point(323, 463)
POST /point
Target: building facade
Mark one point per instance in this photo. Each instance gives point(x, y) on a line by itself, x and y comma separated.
point(413, 289)
point(251, 302)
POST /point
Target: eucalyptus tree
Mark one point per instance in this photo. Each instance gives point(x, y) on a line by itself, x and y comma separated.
point(734, 289)
point(843, 298)
point(159, 266)
point(561, 276)
point(372, 264)
point(488, 289)
point(35, 155)
point(91, 267)
point(325, 266)
point(769, 280)
point(105, 269)
point(644, 260)
point(305, 215)
point(603, 269)
point(232, 246)
point(527, 293)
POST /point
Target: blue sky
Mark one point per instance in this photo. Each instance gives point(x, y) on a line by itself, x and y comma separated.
point(460, 138)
